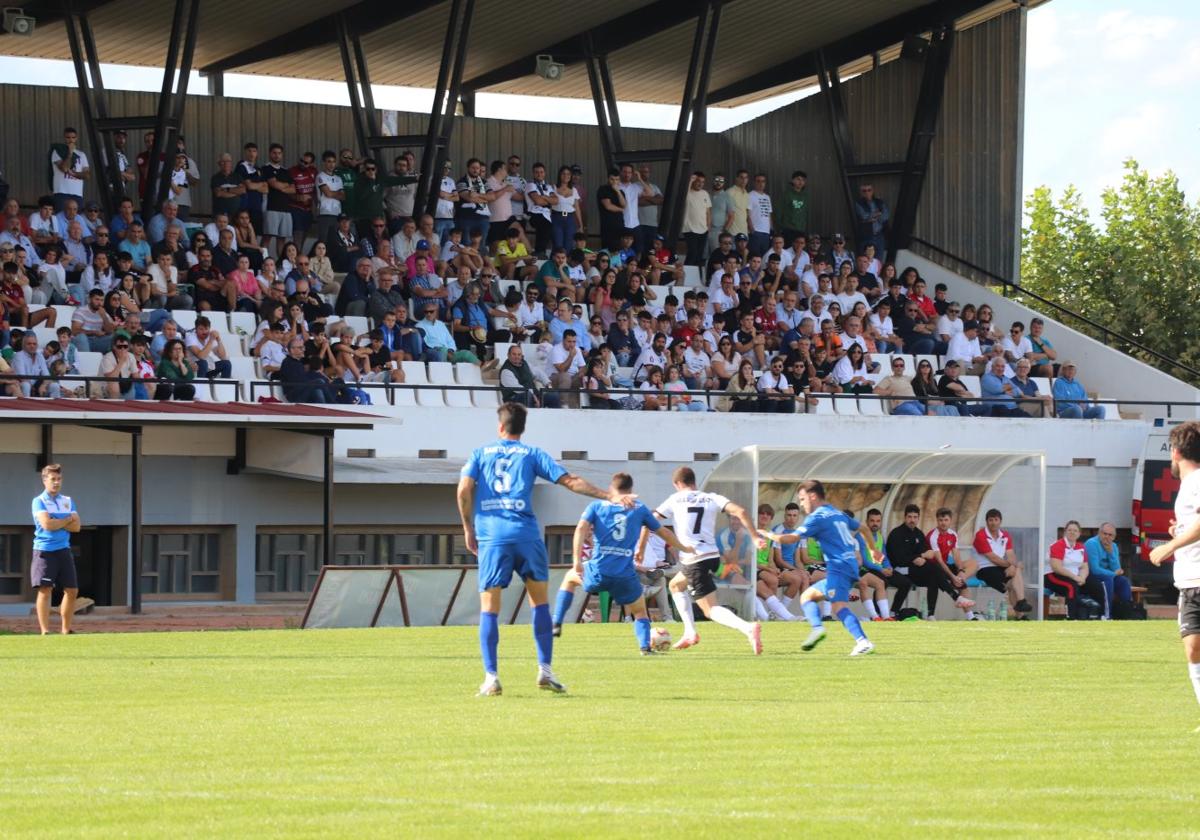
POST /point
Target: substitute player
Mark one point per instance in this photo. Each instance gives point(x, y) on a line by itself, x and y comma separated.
point(614, 533)
point(834, 531)
point(1185, 541)
point(495, 503)
point(694, 514)
point(54, 520)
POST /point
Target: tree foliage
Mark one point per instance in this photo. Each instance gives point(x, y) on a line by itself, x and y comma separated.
point(1136, 274)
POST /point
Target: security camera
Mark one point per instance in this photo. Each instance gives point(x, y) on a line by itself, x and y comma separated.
point(16, 22)
point(549, 69)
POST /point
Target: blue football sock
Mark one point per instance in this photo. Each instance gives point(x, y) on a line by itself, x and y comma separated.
point(812, 611)
point(543, 634)
point(641, 629)
point(850, 622)
point(565, 597)
point(489, 637)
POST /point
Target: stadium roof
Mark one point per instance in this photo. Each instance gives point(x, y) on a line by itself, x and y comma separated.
point(648, 41)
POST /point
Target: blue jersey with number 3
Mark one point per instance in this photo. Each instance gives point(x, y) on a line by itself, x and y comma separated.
point(504, 473)
point(615, 533)
point(834, 532)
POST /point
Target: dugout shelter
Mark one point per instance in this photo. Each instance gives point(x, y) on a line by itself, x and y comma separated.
point(968, 482)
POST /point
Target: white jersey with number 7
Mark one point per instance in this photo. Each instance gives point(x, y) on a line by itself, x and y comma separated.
point(693, 517)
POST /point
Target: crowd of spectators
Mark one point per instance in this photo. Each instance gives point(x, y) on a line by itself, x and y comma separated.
point(781, 315)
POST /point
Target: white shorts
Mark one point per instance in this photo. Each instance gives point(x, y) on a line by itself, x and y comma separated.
point(278, 223)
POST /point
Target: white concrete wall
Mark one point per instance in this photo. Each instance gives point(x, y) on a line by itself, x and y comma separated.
point(1104, 371)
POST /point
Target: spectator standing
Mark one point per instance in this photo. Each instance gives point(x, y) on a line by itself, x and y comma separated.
point(300, 203)
point(331, 193)
point(873, 216)
point(633, 188)
point(68, 169)
point(184, 175)
point(473, 214)
point(277, 225)
point(254, 183)
point(565, 212)
point(649, 203)
point(722, 218)
point(697, 220)
point(399, 198)
point(540, 199)
point(793, 214)
point(226, 188)
point(611, 202)
point(447, 197)
point(55, 518)
point(739, 205)
point(1070, 398)
point(1069, 575)
point(500, 207)
point(1104, 564)
point(761, 218)
point(513, 177)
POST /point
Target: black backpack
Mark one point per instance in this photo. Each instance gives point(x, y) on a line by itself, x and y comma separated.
point(1128, 611)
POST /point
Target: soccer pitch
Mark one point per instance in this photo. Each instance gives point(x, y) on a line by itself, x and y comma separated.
point(950, 730)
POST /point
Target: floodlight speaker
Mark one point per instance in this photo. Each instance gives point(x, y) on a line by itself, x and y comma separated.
point(16, 22)
point(549, 69)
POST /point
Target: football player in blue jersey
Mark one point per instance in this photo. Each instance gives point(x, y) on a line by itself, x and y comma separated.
point(495, 503)
point(613, 532)
point(834, 531)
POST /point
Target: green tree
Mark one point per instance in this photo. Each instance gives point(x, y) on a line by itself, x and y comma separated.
point(1137, 274)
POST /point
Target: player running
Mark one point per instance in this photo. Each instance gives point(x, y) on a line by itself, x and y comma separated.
point(834, 531)
point(614, 533)
point(496, 507)
point(1185, 541)
point(694, 514)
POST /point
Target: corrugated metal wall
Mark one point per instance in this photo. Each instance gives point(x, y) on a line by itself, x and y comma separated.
point(213, 125)
point(971, 198)
point(970, 205)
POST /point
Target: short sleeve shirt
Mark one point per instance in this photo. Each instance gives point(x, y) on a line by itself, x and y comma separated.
point(59, 507)
point(984, 542)
point(328, 206)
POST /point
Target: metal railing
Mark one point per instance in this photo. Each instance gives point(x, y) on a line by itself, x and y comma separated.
point(804, 402)
point(36, 379)
point(1107, 336)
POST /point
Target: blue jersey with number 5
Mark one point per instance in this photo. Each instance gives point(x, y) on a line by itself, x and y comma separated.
point(834, 532)
point(615, 533)
point(504, 473)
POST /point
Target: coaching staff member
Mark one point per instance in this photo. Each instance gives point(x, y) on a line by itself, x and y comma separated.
point(54, 520)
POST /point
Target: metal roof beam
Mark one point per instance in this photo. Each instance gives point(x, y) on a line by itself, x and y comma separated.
point(622, 31)
point(362, 17)
point(861, 43)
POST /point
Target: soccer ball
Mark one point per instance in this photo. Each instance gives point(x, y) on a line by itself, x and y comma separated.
point(660, 639)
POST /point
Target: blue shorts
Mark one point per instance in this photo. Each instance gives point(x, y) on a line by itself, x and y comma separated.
point(625, 587)
point(498, 562)
point(835, 587)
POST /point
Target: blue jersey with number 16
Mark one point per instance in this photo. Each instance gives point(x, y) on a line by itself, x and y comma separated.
point(834, 532)
point(504, 473)
point(615, 533)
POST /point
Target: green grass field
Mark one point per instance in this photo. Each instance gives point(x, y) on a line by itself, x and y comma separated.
point(950, 730)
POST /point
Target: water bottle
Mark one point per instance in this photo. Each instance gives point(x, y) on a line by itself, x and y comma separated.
point(991, 610)
point(922, 605)
point(1004, 610)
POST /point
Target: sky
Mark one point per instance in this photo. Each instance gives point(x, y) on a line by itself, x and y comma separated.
point(1106, 80)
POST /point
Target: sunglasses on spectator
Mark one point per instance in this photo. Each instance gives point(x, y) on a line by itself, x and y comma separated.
point(122, 346)
point(378, 226)
point(897, 364)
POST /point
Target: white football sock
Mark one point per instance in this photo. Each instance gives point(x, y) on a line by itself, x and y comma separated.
point(779, 610)
point(760, 610)
point(683, 603)
point(786, 600)
point(869, 606)
point(1194, 670)
point(726, 616)
point(826, 609)
point(885, 609)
